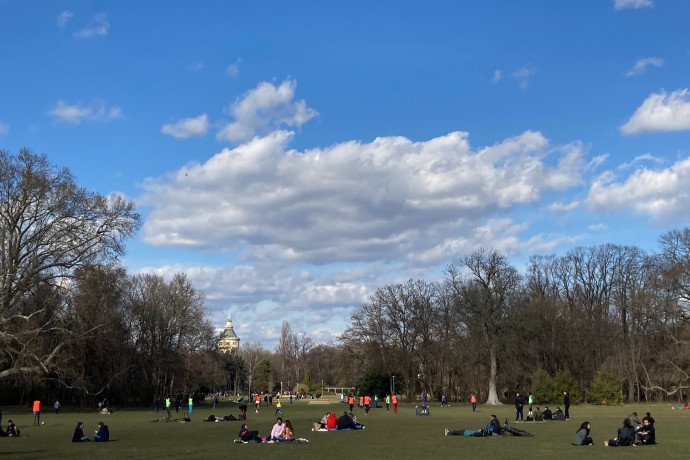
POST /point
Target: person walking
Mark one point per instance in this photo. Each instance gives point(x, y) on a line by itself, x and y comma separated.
point(57, 406)
point(191, 403)
point(278, 406)
point(473, 400)
point(394, 400)
point(37, 413)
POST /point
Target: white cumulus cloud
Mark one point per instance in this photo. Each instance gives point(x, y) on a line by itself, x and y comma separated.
point(497, 76)
point(187, 127)
point(75, 114)
point(4, 129)
point(661, 112)
point(642, 64)
point(523, 75)
point(351, 201)
point(98, 28)
point(233, 69)
point(623, 4)
point(264, 109)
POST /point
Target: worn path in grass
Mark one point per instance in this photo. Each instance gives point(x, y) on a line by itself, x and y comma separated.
point(387, 435)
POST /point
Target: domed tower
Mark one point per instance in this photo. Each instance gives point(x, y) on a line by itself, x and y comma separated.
point(228, 342)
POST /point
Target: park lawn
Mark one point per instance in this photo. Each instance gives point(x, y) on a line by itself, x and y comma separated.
point(387, 435)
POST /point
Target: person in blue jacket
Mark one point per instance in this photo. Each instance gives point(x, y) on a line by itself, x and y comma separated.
point(102, 433)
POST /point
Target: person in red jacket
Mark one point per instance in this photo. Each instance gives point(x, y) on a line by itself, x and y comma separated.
point(394, 400)
point(331, 421)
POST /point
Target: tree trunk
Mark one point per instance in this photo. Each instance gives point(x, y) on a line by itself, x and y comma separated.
point(493, 400)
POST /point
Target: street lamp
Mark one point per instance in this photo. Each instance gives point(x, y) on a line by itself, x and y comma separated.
point(281, 388)
point(393, 392)
point(322, 388)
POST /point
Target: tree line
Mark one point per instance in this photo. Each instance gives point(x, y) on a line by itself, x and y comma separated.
point(76, 326)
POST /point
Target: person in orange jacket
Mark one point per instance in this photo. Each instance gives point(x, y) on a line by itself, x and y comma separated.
point(394, 400)
point(37, 413)
point(351, 401)
point(367, 404)
point(473, 400)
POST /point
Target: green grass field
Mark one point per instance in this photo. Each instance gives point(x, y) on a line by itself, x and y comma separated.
point(387, 435)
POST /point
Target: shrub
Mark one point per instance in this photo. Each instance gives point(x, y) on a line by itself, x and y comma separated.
point(542, 387)
point(563, 381)
point(606, 386)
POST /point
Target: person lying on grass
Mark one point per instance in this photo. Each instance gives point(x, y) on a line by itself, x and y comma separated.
point(490, 429)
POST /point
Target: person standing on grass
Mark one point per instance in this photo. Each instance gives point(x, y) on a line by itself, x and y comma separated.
point(367, 404)
point(191, 403)
point(519, 402)
point(37, 413)
point(351, 401)
point(57, 406)
point(167, 406)
point(388, 403)
point(394, 400)
point(566, 404)
point(278, 406)
point(473, 400)
point(530, 400)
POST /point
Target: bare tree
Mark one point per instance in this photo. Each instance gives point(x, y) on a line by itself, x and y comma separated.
point(49, 226)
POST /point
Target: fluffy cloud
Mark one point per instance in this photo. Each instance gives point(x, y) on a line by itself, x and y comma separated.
point(351, 201)
point(642, 64)
point(623, 4)
point(264, 109)
point(75, 114)
point(4, 129)
point(187, 127)
point(63, 18)
point(497, 76)
point(98, 28)
point(662, 194)
point(661, 112)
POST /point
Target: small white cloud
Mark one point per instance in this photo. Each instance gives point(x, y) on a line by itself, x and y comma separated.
point(635, 4)
point(196, 66)
point(642, 64)
point(523, 75)
point(263, 109)
point(63, 18)
point(639, 159)
point(563, 207)
point(497, 76)
point(98, 28)
point(598, 227)
point(234, 69)
point(75, 114)
point(4, 129)
point(187, 127)
point(661, 112)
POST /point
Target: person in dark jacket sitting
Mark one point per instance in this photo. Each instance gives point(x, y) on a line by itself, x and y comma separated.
point(626, 436)
point(102, 433)
point(547, 415)
point(246, 435)
point(345, 422)
point(78, 435)
point(646, 433)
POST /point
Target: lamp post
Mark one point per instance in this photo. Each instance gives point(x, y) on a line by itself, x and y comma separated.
point(393, 391)
point(322, 388)
point(281, 388)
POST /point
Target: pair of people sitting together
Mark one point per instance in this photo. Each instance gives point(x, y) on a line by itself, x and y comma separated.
point(102, 434)
point(282, 432)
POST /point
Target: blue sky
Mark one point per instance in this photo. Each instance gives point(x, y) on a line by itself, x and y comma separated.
point(291, 157)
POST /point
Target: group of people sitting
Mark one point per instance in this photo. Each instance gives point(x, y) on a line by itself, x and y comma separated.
point(102, 434)
point(329, 422)
point(539, 416)
point(632, 433)
point(281, 432)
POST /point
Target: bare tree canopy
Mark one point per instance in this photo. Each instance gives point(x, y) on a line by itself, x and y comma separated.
point(49, 226)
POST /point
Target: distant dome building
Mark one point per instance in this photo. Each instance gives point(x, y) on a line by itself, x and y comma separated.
point(228, 342)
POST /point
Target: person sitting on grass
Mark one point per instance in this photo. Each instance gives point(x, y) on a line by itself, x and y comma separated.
point(78, 435)
point(277, 429)
point(12, 430)
point(332, 422)
point(287, 435)
point(345, 422)
point(248, 436)
point(626, 436)
point(358, 426)
point(582, 436)
point(537, 415)
point(102, 433)
point(324, 421)
point(646, 434)
point(558, 415)
point(648, 417)
point(547, 415)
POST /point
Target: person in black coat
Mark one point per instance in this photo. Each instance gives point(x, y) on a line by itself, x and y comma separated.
point(519, 402)
point(345, 422)
point(78, 435)
point(626, 436)
point(566, 404)
point(646, 433)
